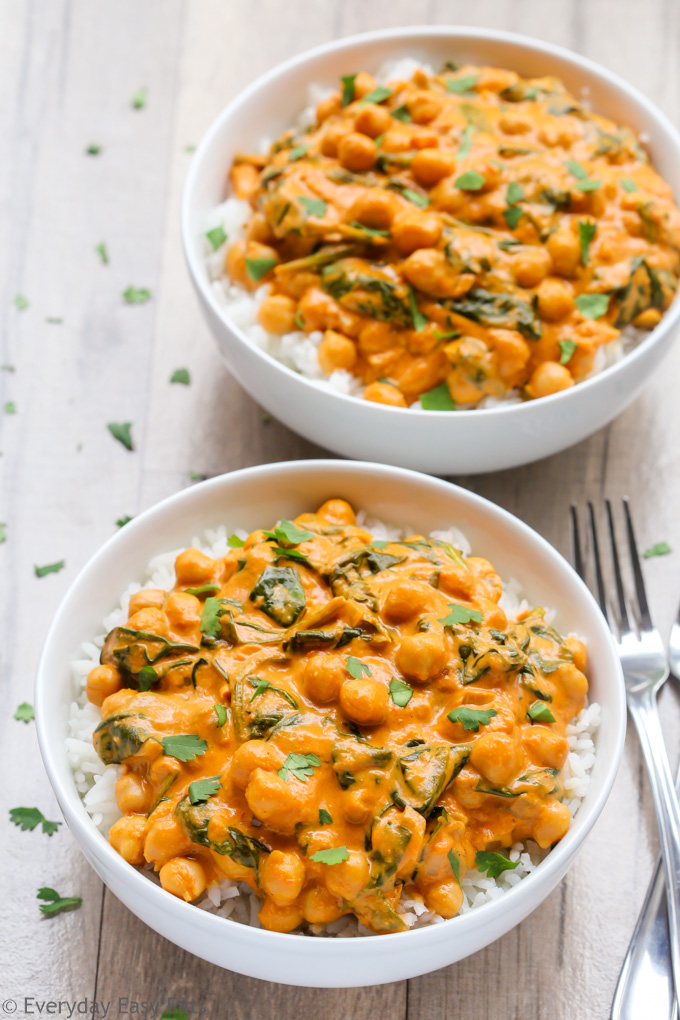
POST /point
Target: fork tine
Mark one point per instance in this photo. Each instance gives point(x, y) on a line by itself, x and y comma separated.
point(579, 565)
point(599, 581)
point(643, 605)
point(620, 594)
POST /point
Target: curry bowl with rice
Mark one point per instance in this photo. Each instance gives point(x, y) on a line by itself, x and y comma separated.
point(330, 712)
point(462, 224)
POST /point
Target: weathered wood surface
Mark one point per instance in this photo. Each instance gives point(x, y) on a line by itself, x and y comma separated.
point(68, 69)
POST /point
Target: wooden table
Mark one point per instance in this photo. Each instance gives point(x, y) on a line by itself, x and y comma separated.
point(68, 71)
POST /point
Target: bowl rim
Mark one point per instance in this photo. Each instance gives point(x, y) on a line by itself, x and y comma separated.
point(138, 883)
point(591, 68)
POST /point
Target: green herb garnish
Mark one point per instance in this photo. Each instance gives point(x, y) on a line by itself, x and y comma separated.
point(217, 237)
point(10, 407)
point(234, 542)
point(400, 692)
point(471, 718)
point(50, 568)
point(378, 95)
point(324, 817)
point(493, 864)
point(336, 855)
point(658, 549)
point(28, 818)
point(297, 152)
point(103, 253)
point(471, 180)
point(628, 184)
point(419, 320)
point(121, 432)
point(402, 113)
point(314, 206)
point(93, 149)
point(300, 765)
point(567, 347)
point(455, 865)
point(221, 713)
point(461, 614)
point(3, 532)
point(356, 668)
point(201, 789)
point(24, 712)
point(586, 232)
point(139, 99)
point(21, 302)
point(257, 268)
point(466, 142)
point(184, 746)
point(438, 399)
point(136, 295)
point(464, 84)
point(56, 903)
point(348, 81)
point(539, 712)
point(181, 375)
point(593, 306)
point(287, 532)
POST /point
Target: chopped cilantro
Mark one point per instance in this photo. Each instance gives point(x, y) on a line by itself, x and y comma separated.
point(348, 81)
point(438, 399)
point(221, 713)
point(297, 152)
point(461, 614)
point(201, 789)
point(567, 347)
point(628, 184)
point(181, 375)
point(217, 237)
point(593, 306)
point(3, 532)
point(324, 817)
point(586, 232)
point(257, 268)
point(139, 99)
point(136, 295)
point(464, 84)
point(455, 865)
point(287, 532)
point(658, 549)
point(56, 903)
point(378, 95)
point(50, 568)
point(93, 149)
point(300, 765)
point(184, 746)
point(21, 302)
point(234, 542)
point(539, 712)
point(335, 855)
point(419, 320)
point(314, 206)
point(493, 864)
point(10, 407)
point(466, 142)
point(102, 251)
point(515, 193)
point(121, 432)
point(400, 692)
point(471, 718)
point(356, 668)
point(122, 521)
point(471, 180)
point(28, 818)
point(24, 712)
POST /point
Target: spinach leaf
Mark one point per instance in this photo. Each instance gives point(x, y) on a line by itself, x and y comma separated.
point(279, 594)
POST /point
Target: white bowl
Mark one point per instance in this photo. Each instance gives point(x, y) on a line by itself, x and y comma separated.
point(254, 498)
point(437, 441)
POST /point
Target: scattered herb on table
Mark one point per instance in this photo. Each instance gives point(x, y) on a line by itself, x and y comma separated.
point(24, 712)
point(122, 521)
point(136, 295)
point(102, 251)
point(54, 320)
point(139, 99)
point(29, 818)
point(658, 549)
point(55, 903)
point(472, 718)
point(181, 375)
point(3, 532)
point(93, 149)
point(21, 302)
point(122, 432)
point(10, 407)
point(49, 568)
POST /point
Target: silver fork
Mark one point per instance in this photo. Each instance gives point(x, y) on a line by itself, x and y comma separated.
point(645, 669)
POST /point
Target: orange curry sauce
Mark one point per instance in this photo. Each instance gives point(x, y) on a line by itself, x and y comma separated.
point(457, 236)
point(333, 720)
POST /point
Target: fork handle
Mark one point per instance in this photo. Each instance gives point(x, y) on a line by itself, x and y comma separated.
point(645, 985)
point(645, 713)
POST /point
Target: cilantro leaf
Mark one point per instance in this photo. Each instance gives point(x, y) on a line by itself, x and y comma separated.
point(336, 855)
point(369, 231)
point(593, 306)
point(205, 589)
point(292, 554)
point(287, 532)
point(184, 746)
point(455, 865)
point(3, 532)
point(463, 84)
point(122, 432)
point(461, 614)
point(28, 818)
point(297, 152)
point(512, 215)
point(201, 789)
point(324, 817)
point(378, 95)
point(234, 542)
point(576, 169)
point(447, 334)
point(493, 864)
point(181, 375)
point(589, 185)
point(402, 113)
point(567, 347)
point(216, 236)
point(356, 668)
point(628, 184)
point(466, 142)
point(49, 568)
point(56, 902)
point(21, 302)
point(262, 686)
point(314, 206)
point(221, 714)
point(93, 149)
point(10, 407)
point(419, 320)
point(539, 712)
point(139, 99)
point(301, 765)
point(257, 268)
point(515, 193)
point(210, 617)
point(24, 712)
point(422, 201)
point(103, 253)
point(471, 180)
point(472, 718)
point(136, 295)
point(122, 521)
point(348, 81)
point(400, 692)
point(586, 232)
point(438, 399)
point(658, 549)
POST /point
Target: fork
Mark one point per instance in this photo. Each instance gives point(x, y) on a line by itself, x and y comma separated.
point(645, 670)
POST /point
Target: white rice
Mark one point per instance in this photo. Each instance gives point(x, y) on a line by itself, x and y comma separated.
point(299, 350)
point(95, 781)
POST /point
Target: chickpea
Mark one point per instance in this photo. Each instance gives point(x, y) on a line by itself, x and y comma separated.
point(552, 824)
point(162, 768)
point(411, 230)
point(493, 615)
point(254, 754)
point(193, 568)
point(572, 679)
point(531, 265)
point(356, 152)
point(102, 682)
point(277, 314)
point(384, 393)
point(446, 197)
point(407, 597)
point(549, 377)
point(183, 878)
point(318, 905)
point(235, 263)
point(423, 106)
point(445, 898)
point(258, 229)
point(126, 836)
point(358, 807)
point(429, 166)
point(578, 650)
point(513, 352)
point(429, 270)
point(282, 876)
point(279, 804)
point(498, 756)
point(165, 839)
point(648, 319)
point(336, 351)
point(547, 749)
point(231, 868)
point(363, 84)
point(373, 208)
point(153, 620)
point(422, 656)
point(397, 139)
point(276, 918)
point(132, 794)
point(514, 124)
point(336, 511)
point(323, 676)
point(372, 120)
point(365, 701)
point(555, 299)
point(347, 879)
point(376, 337)
point(332, 136)
point(565, 251)
point(327, 107)
point(147, 598)
point(182, 610)
point(245, 179)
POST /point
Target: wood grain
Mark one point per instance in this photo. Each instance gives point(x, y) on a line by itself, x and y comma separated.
point(68, 70)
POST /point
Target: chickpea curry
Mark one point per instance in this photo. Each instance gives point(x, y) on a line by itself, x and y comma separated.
point(334, 720)
point(457, 236)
